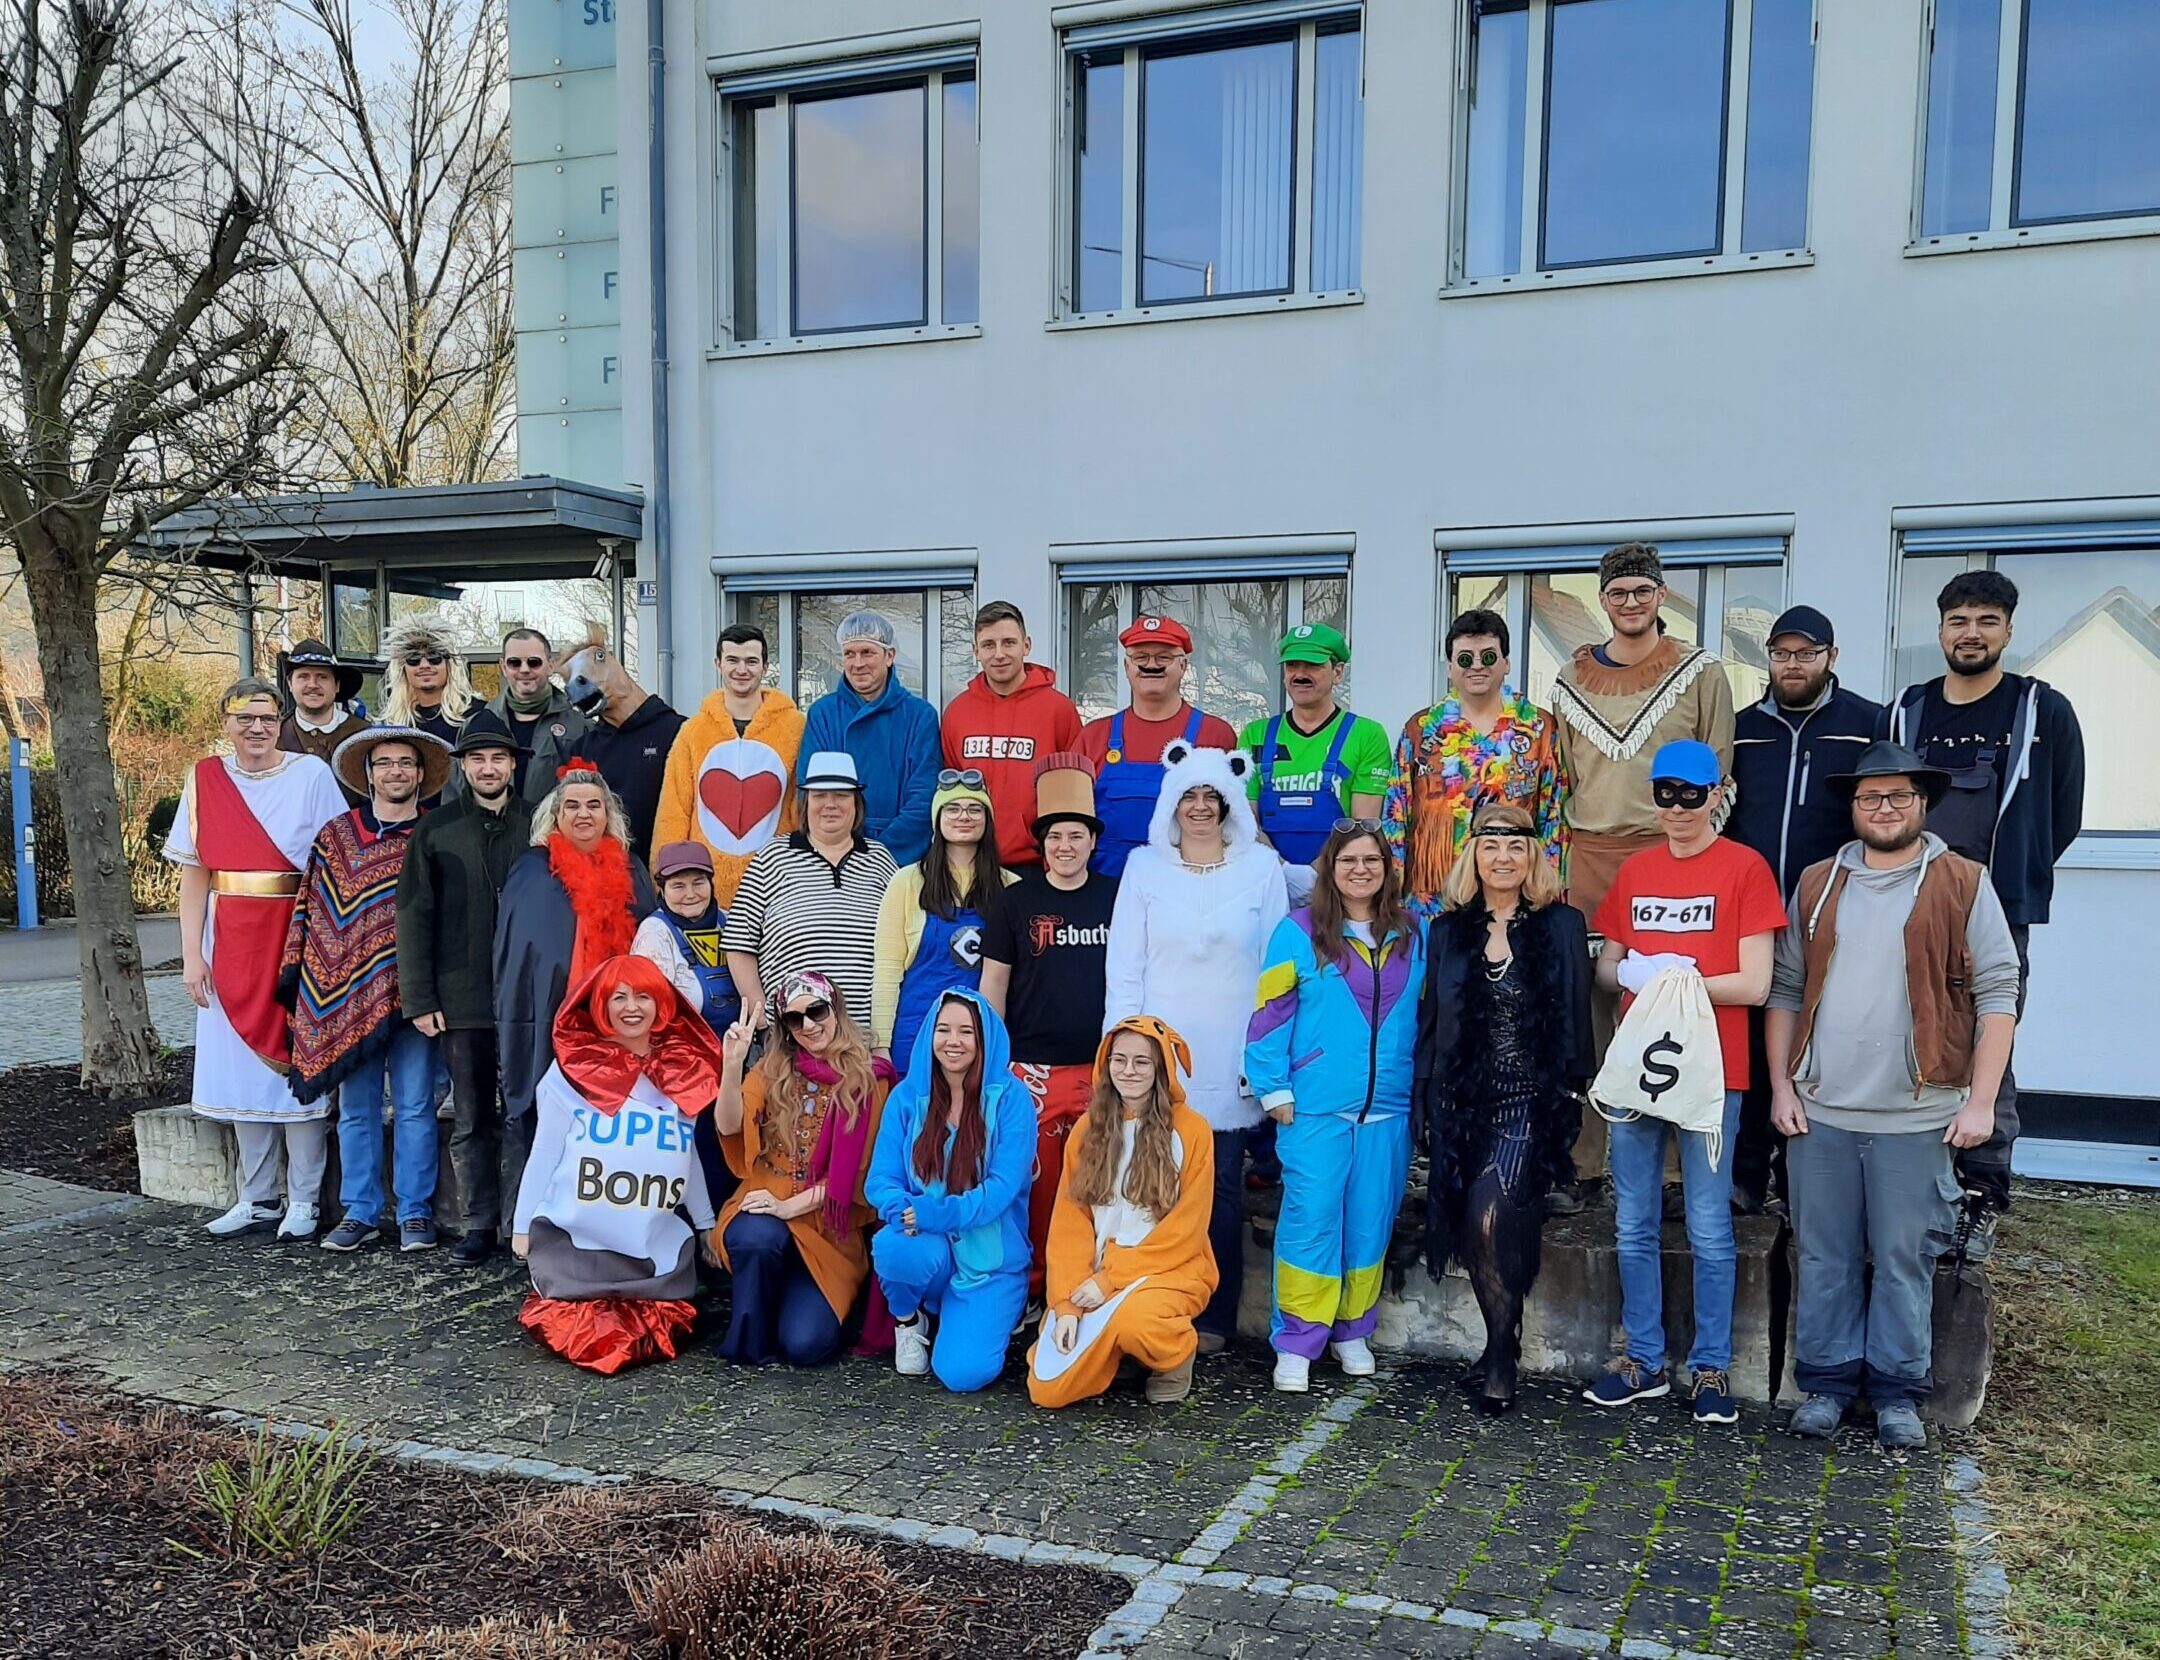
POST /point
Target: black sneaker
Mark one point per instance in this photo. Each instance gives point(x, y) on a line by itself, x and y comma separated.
point(1565, 1200)
point(1629, 1381)
point(473, 1249)
point(349, 1235)
point(1713, 1398)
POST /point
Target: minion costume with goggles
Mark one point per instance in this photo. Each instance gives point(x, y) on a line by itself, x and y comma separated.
point(922, 953)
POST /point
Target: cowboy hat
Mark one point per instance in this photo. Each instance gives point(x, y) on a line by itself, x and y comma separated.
point(313, 654)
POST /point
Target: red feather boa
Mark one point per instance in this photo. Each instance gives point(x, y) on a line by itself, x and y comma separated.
point(601, 898)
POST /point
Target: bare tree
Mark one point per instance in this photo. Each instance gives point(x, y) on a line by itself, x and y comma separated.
point(401, 238)
point(144, 373)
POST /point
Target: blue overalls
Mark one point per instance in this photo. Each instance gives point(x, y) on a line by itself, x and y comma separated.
point(1125, 796)
point(948, 958)
point(1299, 824)
point(722, 1008)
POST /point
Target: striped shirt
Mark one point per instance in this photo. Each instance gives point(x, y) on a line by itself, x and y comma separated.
point(796, 911)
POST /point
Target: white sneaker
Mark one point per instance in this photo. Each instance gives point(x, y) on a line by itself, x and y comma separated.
point(1293, 1374)
point(1354, 1357)
point(300, 1222)
point(911, 1347)
point(244, 1218)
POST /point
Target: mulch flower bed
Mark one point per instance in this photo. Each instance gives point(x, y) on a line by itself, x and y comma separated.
point(111, 1548)
point(51, 1126)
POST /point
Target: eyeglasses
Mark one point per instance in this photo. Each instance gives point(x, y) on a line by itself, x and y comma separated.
point(433, 659)
point(810, 1014)
point(1477, 659)
point(954, 778)
point(524, 662)
point(1628, 598)
point(252, 721)
point(393, 763)
point(1874, 801)
point(1670, 792)
point(1797, 654)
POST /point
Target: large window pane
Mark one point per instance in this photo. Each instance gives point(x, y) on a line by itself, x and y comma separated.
point(817, 652)
point(760, 200)
point(1099, 184)
point(2089, 143)
point(1216, 160)
point(355, 623)
point(1493, 197)
point(1781, 92)
point(1091, 649)
point(762, 611)
point(1236, 627)
point(962, 187)
point(1754, 594)
point(1565, 614)
point(2089, 625)
point(1919, 657)
point(1634, 130)
point(956, 641)
point(1960, 170)
point(859, 203)
point(1338, 160)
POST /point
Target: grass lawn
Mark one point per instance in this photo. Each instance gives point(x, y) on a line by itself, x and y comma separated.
point(2070, 1439)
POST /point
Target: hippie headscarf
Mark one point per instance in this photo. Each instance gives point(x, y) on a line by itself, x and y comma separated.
point(598, 883)
point(682, 1063)
point(842, 1148)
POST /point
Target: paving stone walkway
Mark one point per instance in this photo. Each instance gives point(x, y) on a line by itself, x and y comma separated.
point(1381, 1517)
point(43, 1021)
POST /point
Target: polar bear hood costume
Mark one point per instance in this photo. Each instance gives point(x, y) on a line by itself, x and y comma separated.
point(1227, 772)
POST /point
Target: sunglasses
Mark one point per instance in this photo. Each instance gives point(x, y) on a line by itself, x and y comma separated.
point(1477, 659)
point(1670, 792)
point(433, 659)
point(954, 777)
point(523, 662)
point(810, 1014)
point(1343, 826)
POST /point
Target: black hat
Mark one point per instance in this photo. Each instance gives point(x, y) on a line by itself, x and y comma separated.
point(484, 729)
point(1807, 622)
point(313, 654)
point(1884, 759)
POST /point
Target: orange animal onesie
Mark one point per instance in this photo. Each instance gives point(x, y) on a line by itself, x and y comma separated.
point(1154, 1284)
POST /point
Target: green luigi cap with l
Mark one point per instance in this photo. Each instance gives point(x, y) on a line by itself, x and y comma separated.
point(1313, 643)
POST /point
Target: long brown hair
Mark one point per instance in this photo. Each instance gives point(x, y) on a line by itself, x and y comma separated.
point(1151, 1180)
point(941, 895)
point(848, 1054)
point(970, 1134)
point(1328, 910)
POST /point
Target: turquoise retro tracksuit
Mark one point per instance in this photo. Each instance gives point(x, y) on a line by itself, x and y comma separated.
point(1337, 1042)
point(967, 1261)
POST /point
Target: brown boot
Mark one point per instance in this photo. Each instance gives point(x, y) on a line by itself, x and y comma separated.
point(1173, 1385)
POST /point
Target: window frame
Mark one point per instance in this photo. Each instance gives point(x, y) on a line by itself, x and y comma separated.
point(961, 61)
point(1979, 535)
point(1176, 34)
point(1732, 178)
point(788, 580)
point(2003, 230)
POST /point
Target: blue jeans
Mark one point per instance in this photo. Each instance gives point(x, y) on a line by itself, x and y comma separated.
point(1638, 1176)
point(410, 1066)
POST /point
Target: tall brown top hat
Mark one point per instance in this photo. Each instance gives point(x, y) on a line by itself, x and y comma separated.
point(1065, 792)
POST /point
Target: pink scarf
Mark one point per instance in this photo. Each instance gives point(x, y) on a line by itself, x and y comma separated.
point(837, 1159)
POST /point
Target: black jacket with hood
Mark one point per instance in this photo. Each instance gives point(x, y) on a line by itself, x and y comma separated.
point(1783, 806)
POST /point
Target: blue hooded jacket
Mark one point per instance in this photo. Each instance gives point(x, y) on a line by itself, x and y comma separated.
point(898, 754)
point(988, 1223)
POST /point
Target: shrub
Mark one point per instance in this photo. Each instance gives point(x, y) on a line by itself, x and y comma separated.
point(597, 1527)
point(747, 1594)
point(490, 1639)
point(291, 1500)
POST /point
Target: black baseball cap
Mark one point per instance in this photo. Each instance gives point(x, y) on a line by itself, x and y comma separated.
point(1805, 621)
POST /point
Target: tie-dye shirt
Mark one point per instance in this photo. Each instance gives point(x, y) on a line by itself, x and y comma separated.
point(1444, 767)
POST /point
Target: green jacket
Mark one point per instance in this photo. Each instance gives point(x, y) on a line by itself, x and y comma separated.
point(446, 895)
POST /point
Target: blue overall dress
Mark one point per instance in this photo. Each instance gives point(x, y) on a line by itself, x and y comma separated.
point(948, 958)
point(1125, 796)
point(1299, 824)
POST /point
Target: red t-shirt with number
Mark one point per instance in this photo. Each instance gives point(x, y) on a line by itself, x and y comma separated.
point(1700, 907)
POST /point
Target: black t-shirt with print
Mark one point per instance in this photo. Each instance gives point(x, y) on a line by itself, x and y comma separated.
point(1971, 742)
point(1056, 943)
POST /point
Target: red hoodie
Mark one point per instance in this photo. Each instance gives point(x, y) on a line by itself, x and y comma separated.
point(1005, 736)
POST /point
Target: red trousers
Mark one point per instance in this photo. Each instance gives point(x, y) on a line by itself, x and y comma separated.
point(1061, 1099)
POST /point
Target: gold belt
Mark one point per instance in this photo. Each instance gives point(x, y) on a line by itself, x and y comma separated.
point(256, 884)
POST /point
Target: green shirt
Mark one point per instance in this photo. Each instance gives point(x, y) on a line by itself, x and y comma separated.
point(1299, 760)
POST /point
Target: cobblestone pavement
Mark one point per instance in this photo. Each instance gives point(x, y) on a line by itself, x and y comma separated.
point(1380, 1517)
point(43, 1024)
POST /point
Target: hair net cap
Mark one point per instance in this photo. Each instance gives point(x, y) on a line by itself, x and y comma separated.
point(867, 625)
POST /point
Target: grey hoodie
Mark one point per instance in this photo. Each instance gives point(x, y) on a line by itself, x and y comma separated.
point(1857, 1073)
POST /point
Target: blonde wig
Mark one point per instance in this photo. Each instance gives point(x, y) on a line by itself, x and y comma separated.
point(1540, 887)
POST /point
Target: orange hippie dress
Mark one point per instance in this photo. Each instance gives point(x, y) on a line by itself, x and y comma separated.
point(1156, 1272)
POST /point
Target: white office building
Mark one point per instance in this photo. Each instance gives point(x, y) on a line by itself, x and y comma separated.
point(1317, 310)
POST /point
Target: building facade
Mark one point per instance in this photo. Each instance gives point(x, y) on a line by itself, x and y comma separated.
point(1365, 313)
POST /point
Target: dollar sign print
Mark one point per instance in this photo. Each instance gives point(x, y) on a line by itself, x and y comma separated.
point(1656, 1067)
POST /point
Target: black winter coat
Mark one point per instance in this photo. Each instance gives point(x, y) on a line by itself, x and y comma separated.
point(1783, 805)
point(454, 872)
point(632, 758)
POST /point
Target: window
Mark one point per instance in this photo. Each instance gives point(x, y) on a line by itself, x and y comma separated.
point(1616, 132)
point(1215, 158)
point(1723, 592)
point(852, 203)
point(2087, 622)
point(934, 623)
point(2040, 112)
point(1237, 621)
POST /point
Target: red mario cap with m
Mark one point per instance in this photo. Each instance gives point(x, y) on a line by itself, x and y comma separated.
point(1156, 631)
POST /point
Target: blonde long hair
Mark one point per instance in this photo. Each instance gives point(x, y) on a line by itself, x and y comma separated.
point(1151, 1180)
point(848, 1054)
point(1541, 887)
point(550, 807)
point(421, 634)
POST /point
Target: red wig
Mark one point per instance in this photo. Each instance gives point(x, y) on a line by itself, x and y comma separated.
point(683, 1062)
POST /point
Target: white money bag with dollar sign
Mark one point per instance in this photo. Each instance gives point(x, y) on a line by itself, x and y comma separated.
point(1665, 1061)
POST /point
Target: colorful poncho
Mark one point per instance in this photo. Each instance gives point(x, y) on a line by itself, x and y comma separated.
point(339, 972)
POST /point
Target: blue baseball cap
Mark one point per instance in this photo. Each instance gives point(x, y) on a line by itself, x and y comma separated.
point(1686, 761)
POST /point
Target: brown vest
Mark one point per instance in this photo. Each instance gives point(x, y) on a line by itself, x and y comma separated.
point(1938, 967)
